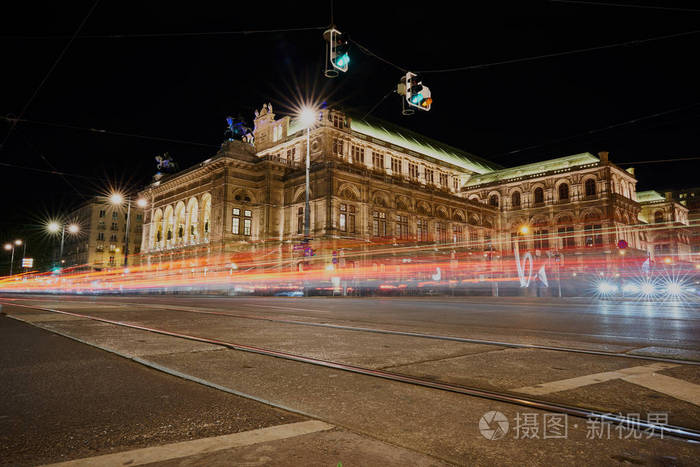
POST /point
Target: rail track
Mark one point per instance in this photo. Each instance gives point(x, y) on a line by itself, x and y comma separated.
point(685, 433)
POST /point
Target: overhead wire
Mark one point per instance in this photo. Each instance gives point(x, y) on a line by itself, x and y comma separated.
point(46, 77)
point(627, 5)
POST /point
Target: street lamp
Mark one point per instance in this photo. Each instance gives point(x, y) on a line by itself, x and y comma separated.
point(10, 246)
point(118, 199)
point(54, 227)
point(307, 118)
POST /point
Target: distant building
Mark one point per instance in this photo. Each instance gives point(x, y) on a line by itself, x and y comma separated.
point(668, 233)
point(101, 241)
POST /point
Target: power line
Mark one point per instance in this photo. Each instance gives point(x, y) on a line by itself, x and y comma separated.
point(157, 35)
point(659, 161)
point(46, 77)
point(596, 130)
point(560, 54)
point(626, 5)
point(107, 132)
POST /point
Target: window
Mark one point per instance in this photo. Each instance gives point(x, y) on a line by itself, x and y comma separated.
point(563, 192)
point(100, 235)
point(658, 217)
point(515, 200)
point(566, 234)
point(429, 175)
point(541, 239)
point(102, 212)
point(247, 226)
point(358, 155)
point(444, 180)
point(422, 230)
point(493, 201)
point(539, 196)
point(111, 260)
point(457, 233)
point(455, 183)
point(115, 215)
point(236, 222)
point(395, 165)
point(593, 235)
point(590, 187)
point(113, 238)
point(347, 218)
point(300, 220)
point(291, 154)
point(402, 227)
point(337, 121)
point(338, 147)
point(377, 160)
point(101, 225)
point(100, 247)
point(441, 231)
point(139, 217)
point(379, 224)
point(413, 170)
point(114, 226)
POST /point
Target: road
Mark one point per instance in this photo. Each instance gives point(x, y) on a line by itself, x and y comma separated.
point(530, 348)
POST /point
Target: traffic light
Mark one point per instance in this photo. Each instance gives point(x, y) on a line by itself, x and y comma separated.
point(339, 48)
point(417, 95)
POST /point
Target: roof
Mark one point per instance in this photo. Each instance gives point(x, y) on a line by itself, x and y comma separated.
point(649, 196)
point(534, 168)
point(410, 140)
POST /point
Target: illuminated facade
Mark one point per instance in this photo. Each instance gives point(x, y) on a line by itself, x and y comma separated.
point(101, 241)
point(379, 184)
point(668, 234)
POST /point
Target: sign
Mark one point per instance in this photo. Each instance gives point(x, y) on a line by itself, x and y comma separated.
point(622, 244)
point(27, 262)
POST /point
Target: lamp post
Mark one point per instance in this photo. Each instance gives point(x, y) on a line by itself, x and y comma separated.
point(307, 118)
point(118, 199)
point(54, 227)
point(11, 247)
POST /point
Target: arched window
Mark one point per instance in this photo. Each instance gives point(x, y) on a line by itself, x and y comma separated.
point(658, 217)
point(515, 199)
point(563, 192)
point(590, 187)
point(300, 220)
point(539, 195)
point(493, 201)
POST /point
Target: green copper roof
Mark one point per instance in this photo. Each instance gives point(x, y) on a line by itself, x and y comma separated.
point(534, 168)
point(647, 196)
point(423, 145)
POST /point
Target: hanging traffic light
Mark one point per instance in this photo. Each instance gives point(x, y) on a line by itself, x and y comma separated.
point(338, 51)
point(417, 95)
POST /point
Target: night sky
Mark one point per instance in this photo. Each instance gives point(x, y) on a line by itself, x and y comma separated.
point(182, 87)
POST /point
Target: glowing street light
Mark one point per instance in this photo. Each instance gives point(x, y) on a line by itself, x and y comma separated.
point(307, 116)
point(53, 227)
point(118, 199)
point(524, 229)
point(10, 246)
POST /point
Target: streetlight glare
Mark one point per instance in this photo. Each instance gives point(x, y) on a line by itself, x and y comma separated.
point(18, 242)
point(8, 246)
point(116, 198)
point(53, 227)
point(73, 228)
point(142, 203)
point(307, 116)
point(524, 230)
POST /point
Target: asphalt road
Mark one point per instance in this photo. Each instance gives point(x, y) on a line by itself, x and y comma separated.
point(406, 416)
point(60, 399)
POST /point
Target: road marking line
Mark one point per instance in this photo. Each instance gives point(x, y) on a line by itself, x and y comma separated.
point(674, 387)
point(574, 383)
point(199, 446)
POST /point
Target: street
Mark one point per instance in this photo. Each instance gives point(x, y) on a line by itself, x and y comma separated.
point(632, 359)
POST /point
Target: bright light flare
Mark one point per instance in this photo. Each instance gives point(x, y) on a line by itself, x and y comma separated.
point(73, 228)
point(142, 203)
point(8, 246)
point(18, 242)
point(674, 288)
point(606, 288)
point(647, 289)
point(116, 198)
point(53, 227)
point(308, 116)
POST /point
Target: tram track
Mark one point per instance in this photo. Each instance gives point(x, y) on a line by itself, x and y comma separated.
point(685, 433)
point(467, 340)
